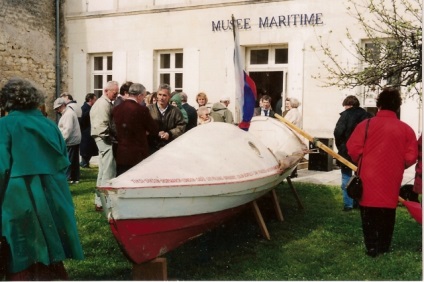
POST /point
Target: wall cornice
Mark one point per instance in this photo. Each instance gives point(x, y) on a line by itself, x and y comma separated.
point(153, 10)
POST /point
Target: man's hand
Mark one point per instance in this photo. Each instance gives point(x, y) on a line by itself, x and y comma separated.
point(163, 135)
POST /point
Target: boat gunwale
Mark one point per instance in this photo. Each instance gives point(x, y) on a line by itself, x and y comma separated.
point(192, 185)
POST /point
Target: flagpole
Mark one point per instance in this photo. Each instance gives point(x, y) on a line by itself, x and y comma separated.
point(238, 71)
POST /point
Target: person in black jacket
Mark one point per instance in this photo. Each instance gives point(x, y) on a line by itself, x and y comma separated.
point(265, 107)
point(88, 147)
point(349, 118)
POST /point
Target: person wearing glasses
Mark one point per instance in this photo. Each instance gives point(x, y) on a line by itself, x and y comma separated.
point(203, 116)
point(265, 107)
point(103, 132)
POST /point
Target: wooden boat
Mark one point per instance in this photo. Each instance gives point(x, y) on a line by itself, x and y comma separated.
point(195, 183)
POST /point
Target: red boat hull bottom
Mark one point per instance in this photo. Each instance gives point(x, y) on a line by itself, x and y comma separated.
point(145, 239)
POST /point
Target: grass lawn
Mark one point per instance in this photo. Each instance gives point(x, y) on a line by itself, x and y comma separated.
point(320, 242)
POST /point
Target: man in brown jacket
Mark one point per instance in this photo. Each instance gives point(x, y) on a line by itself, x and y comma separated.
point(169, 119)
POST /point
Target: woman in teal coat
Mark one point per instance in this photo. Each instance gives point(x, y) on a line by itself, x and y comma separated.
point(38, 218)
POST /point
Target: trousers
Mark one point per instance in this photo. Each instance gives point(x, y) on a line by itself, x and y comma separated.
point(346, 174)
point(107, 165)
point(73, 172)
point(377, 226)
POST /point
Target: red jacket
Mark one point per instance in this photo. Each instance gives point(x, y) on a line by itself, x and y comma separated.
point(390, 148)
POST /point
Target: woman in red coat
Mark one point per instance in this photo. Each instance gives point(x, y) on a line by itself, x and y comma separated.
point(390, 148)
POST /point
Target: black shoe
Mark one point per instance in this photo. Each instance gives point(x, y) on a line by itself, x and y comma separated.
point(384, 250)
point(372, 252)
point(346, 209)
point(355, 204)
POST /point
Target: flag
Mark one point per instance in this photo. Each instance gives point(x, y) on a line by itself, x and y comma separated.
point(245, 86)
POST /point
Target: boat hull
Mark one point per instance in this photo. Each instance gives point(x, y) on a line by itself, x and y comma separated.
point(145, 239)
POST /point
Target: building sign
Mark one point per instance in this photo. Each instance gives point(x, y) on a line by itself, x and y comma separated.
point(294, 20)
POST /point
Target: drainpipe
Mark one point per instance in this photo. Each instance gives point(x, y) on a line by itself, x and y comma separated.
point(57, 49)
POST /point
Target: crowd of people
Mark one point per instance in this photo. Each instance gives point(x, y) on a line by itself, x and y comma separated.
point(125, 125)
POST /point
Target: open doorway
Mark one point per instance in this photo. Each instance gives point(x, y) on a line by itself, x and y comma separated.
point(268, 83)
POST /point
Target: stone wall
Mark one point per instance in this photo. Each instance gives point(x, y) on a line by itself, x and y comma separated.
point(28, 44)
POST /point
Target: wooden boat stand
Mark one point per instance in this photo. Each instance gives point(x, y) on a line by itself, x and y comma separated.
point(277, 209)
point(157, 269)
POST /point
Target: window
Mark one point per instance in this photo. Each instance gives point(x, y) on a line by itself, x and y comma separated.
point(101, 72)
point(373, 54)
point(170, 69)
point(268, 56)
point(268, 68)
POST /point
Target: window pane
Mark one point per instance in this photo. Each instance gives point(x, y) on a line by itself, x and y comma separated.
point(165, 78)
point(372, 52)
point(394, 79)
point(98, 63)
point(281, 56)
point(98, 93)
point(179, 60)
point(109, 77)
point(165, 61)
point(98, 82)
point(109, 62)
point(178, 80)
point(259, 57)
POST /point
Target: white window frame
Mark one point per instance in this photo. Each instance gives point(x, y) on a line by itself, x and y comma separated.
point(172, 70)
point(104, 72)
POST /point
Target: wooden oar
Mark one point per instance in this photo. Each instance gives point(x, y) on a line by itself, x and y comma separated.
point(414, 208)
point(317, 143)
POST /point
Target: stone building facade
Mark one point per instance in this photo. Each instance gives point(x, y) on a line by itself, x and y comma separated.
point(28, 44)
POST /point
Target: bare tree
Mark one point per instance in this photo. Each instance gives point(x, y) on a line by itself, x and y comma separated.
point(391, 53)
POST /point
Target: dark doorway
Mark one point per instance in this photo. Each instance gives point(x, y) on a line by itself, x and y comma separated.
point(268, 83)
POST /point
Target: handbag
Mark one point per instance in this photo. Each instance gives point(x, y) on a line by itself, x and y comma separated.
point(4, 246)
point(354, 185)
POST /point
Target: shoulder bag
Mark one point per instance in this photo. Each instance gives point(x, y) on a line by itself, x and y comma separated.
point(354, 186)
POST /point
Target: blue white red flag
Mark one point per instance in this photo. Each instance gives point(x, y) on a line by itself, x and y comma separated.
point(245, 86)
